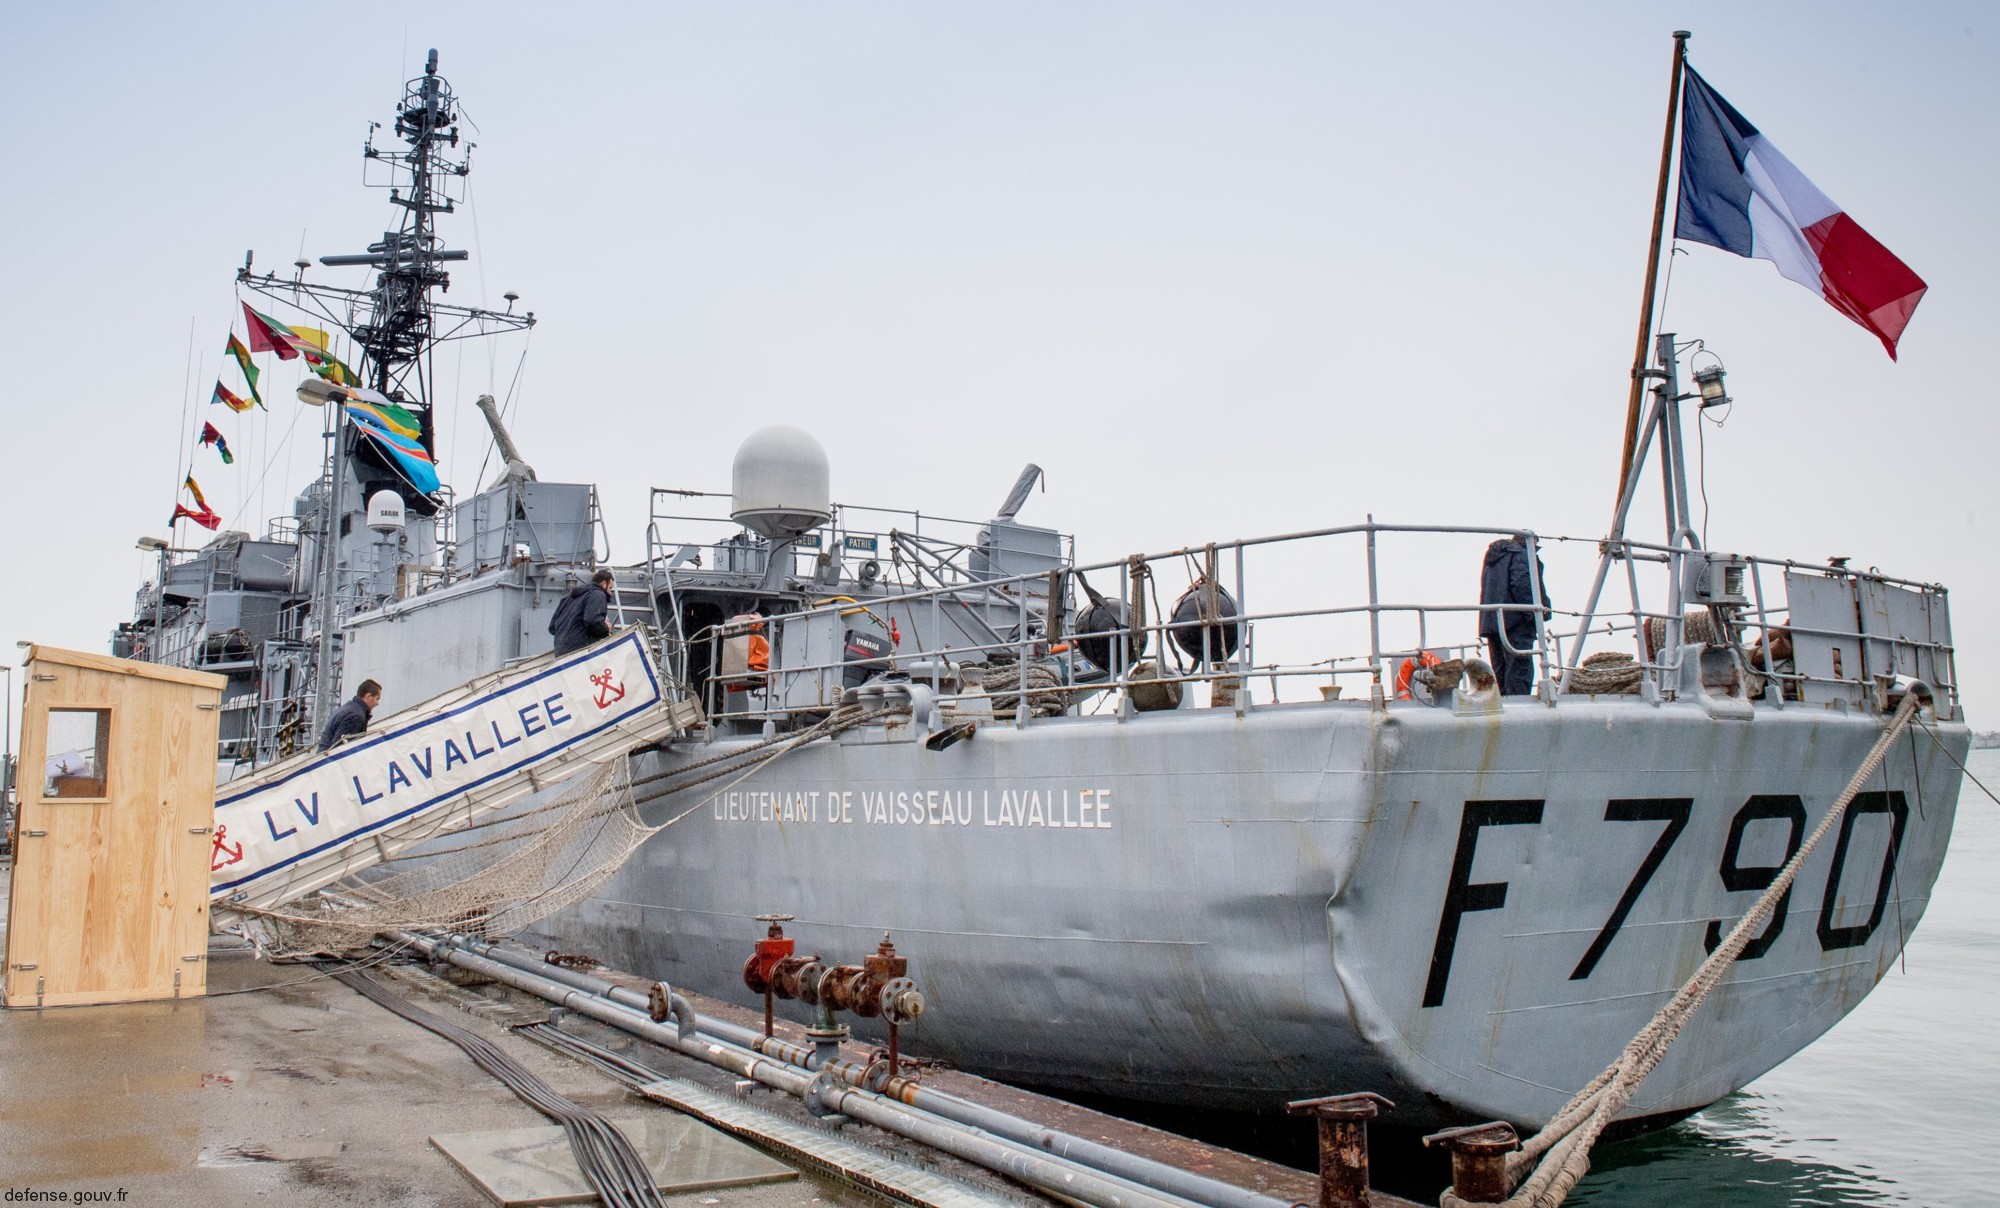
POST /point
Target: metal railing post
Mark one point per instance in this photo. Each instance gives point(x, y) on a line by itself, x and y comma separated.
point(1249, 649)
point(1546, 688)
point(1374, 619)
point(1022, 654)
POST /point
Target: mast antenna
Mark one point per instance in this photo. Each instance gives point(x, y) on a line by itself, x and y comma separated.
point(396, 322)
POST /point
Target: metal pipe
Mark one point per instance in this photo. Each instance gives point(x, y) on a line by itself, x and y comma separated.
point(1545, 688)
point(516, 470)
point(1249, 653)
point(160, 608)
point(1011, 506)
point(1104, 1158)
point(1064, 1177)
point(1374, 618)
point(1681, 523)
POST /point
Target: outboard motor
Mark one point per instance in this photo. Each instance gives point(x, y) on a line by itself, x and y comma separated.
point(1097, 622)
point(1205, 626)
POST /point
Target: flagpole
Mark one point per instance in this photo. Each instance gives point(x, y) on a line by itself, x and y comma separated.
point(1641, 347)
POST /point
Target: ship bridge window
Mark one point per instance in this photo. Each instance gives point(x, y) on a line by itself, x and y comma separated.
point(74, 756)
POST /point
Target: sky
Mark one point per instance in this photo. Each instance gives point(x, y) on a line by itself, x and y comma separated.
point(1222, 270)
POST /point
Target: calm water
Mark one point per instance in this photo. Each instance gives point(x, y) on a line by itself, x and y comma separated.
point(1894, 1106)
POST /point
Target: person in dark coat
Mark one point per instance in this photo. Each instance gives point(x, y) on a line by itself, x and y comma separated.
point(1505, 580)
point(352, 718)
point(579, 619)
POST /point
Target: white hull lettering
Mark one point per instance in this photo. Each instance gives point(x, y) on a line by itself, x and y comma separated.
point(1040, 807)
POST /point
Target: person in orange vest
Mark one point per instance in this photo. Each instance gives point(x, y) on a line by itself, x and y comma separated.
point(756, 650)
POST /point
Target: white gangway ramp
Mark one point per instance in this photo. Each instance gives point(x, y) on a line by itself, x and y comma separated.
point(308, 821)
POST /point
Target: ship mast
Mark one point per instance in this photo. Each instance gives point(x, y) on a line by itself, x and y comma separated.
point(1663, 422)
point(1644, 343)
point(396, 324)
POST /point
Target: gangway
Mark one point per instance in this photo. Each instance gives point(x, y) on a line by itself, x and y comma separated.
point(310, 820)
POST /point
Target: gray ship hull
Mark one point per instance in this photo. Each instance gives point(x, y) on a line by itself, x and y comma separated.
point(1472, 914)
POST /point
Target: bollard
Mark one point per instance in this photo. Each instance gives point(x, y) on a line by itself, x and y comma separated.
point(1343, 1145)
point(1479, 1160)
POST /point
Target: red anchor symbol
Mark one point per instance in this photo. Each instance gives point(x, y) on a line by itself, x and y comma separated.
point(608, 692)
point(235, 850)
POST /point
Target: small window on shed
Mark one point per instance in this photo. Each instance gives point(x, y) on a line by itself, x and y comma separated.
point(79, 742)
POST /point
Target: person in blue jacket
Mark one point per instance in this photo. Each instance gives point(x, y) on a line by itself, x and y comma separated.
point(352, 718)
point(1505, 579)
point(579, 618)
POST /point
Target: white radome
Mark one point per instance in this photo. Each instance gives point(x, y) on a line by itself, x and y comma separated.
point(780, 483)
point(385, 512)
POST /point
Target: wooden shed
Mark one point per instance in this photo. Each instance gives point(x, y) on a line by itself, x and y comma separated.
point(117, 805)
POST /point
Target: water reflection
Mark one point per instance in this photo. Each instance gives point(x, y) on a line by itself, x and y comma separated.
point(1734, 1155)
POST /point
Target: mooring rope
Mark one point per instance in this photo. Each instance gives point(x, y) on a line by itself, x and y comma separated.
point(1560, 1153)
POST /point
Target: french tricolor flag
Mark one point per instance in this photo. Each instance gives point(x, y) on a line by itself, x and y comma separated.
point(1739, 194)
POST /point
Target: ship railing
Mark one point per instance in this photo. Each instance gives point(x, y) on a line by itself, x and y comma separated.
point(444, 538)
point(1009, 610)
point(933, 550)
point(670, 623)
point(461, 539)
point(1284, 643)
point(1877, 651)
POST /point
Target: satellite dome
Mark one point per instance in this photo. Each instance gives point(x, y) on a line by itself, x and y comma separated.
point(779, 482)
point(385, 512)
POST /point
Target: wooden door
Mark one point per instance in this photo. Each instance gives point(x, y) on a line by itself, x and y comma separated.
point(110, 887)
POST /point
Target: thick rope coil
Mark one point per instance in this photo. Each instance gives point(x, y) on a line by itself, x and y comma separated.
point(1002, 682)
point(1607, 673)
point(1560, 1153)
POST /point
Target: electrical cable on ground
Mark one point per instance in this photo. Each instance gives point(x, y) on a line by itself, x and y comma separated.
point(383, 957)
point(609, 1163)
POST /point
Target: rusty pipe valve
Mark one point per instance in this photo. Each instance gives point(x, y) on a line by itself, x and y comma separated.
point(774, 947)
point(845, 988)
point(885, 964)
point(763, 963)
point(878, 986)
point(858, 988)
point(1479, 1160)
point(799, 977)
point(1343, 1144)
point(900, 1001)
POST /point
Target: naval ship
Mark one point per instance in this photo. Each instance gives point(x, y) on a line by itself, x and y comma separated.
point(1222, 824)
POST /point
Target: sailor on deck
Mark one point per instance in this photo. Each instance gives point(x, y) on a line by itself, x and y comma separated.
point(1504, 580)
point(352, 717)
point(579, 619)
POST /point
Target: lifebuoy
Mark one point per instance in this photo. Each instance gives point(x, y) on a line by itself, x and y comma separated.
point(1424, 658)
